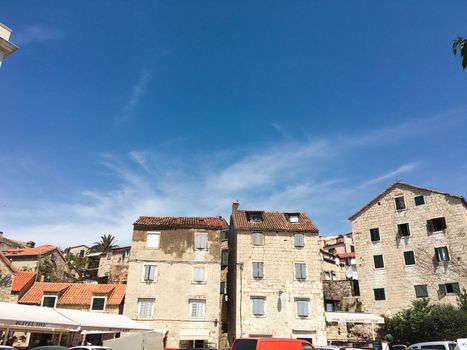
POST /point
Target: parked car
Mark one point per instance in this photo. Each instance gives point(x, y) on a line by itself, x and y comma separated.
point(399, 347)
point(271, 343)
point(90, 347)
point(329, 347)
point(435, 345)
point(6, 347)
point(50, 347)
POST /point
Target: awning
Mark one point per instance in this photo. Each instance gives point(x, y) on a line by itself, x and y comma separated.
point(93, 322)
point(29, 317)
point(353, 317)
point(194, 334)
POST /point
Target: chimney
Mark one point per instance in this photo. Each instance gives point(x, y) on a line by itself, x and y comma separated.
point(235, 205)
point(30, 244)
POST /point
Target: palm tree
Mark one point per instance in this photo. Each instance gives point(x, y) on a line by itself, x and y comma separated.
point(106, 243)
point(462, 45)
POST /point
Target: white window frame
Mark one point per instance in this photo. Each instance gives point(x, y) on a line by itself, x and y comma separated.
point(293, 218)
point(143, 277)
point(139, 303)
point(92, 302)
point(205, 235)
point(263, 300)
point(199, 302)
point(158, 240)
point(195, 268)
point(307, 300)
point(295, 271)
point(50, 296)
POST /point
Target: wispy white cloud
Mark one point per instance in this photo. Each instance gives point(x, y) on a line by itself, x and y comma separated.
point(138, 90)
point(287, 175)
point(36, 33)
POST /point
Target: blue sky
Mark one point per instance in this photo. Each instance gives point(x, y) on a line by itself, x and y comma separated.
point(113, 109)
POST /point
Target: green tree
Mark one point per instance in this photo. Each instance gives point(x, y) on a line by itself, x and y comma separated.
point(106, 243)
point(460, 44)
point(78, 266)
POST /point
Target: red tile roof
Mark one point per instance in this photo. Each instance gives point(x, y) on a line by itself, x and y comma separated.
point(209, 222)
point(272, 221)
point(7, 262)
point(22, 278)
point(30, 251)
point(74, 293)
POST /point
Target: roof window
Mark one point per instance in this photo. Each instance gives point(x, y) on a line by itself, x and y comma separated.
point(255, 216)
point(292, 217)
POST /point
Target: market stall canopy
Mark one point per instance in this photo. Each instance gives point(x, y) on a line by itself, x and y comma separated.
point(354, 317)
point(96, 322)
point(28, 317)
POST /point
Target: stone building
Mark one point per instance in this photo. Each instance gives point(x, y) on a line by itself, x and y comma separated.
point(6, 47)
point(7, 274)
point(174, 278)
point(113, 265)
point(79, 250)
point(410, 243)
point(274, 288)
point(7, 244)
point(47, 260)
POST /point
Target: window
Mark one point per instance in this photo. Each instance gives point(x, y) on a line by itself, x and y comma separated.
point(421, 291)
point(98, 303)
point(437, 224)
point(109, 255)
point(299, 240)
point(201, 240)
point(379, 294)
point(222, 288)
point(145, 307)
point(82, 252)
point(49, 300)
point(224, 258)
point(419, 200)
point(403, 230)
point(257, 238)
point(126, 254)
point(302, 306)
point(153, 240)
point(293, 218)
point(224, 235)
point(255, 217)
point(400, 203)
point(300, 271)
point(257, 304)
point(449, 288)
point(374, 233)
point(329, 306)
point(409, 258)
point(258, 272)
point(352, 249)
point(198, 274)
point(379, 262)
point(149, 273)
point(442, 254)
point(197, 308)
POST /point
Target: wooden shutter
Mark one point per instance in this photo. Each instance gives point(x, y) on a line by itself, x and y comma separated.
point(442, 289)
point(429, 225)
point(443, 223)
point(455, 288)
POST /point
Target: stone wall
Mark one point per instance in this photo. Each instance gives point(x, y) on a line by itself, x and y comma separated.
point(6, 279)
point(398, 279)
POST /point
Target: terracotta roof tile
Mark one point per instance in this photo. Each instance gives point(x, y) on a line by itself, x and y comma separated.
point(272, 221)
point(7, 262)
point(22, 278)
point(209, 222)
point(30, 251)
point(75, 293)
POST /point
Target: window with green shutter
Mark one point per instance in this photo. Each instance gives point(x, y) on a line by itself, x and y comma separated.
point(224, 258)
point(379, 294)
point(374, 234)
point(222, 288)
point(379, 262)
point(421, 291)
point(436, 224)
point(449, 288)
point(409, 258)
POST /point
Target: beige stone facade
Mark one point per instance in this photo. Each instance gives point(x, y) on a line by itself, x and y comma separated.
point(286, 298)
point(7, 274)
point(113, 265)
point(426, 258)
point(174, 278)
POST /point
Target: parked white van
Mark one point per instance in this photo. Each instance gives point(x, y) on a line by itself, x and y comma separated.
point(435, 345)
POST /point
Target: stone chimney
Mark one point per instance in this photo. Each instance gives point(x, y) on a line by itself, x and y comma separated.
point(235, 205)
point(30, 244)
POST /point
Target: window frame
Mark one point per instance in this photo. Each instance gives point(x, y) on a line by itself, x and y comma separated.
point(438, 256)
point(380, 259)
point(149, 265)
point(204, 239)
point(199, 268)
point(98, 297)
point(431, 224)
point(409, 253)
point(307, 303)
point(262, 304)
point(202, 303)
point(396, 203)
point(260, 275)
point(415, 200)
point(297, 244)
point(295, 271)
point(377, 295)
point(224, 258)
point(254, 240)
point(399, 229)
point(424, 289)
point(375, 232)
point(55, 296)
point(155, 234)
point(140, 303)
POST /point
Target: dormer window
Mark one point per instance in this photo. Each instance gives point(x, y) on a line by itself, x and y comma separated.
point(49, 300)
point(255, 217)
point(292, 218)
